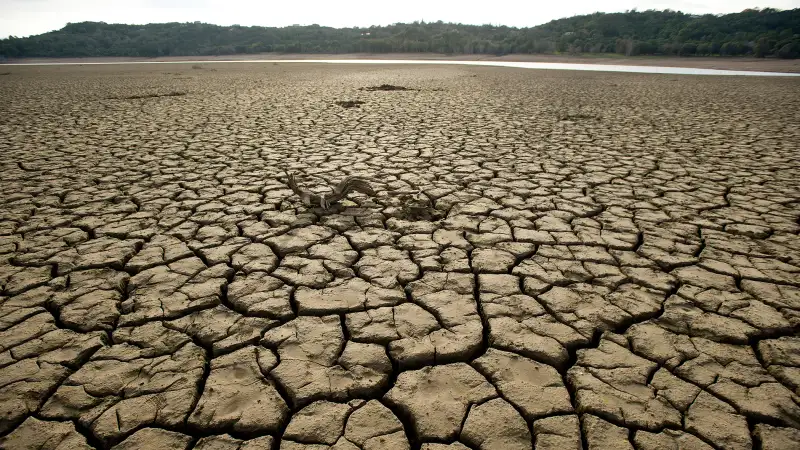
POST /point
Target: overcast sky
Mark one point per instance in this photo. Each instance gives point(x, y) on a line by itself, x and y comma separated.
point(27, 17)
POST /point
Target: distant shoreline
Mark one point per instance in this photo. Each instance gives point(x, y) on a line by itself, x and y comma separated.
point(718, 62)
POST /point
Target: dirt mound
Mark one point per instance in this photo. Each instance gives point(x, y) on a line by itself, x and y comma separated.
point(350, 103)
point(386, 87)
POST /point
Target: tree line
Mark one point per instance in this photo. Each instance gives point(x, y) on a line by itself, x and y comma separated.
point(755, 32)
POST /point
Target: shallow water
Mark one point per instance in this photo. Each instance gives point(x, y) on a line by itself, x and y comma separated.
point(515, 64)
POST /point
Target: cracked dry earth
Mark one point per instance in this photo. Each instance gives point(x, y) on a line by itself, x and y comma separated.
point(613, 262)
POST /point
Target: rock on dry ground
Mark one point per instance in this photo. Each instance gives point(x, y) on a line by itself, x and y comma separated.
point(601, 260)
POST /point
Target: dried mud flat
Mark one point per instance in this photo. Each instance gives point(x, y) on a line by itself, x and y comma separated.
point(610, 260)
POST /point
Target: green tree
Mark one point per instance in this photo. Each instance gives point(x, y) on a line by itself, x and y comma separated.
point(688, 49)
point(790, 50)
point(761, 48)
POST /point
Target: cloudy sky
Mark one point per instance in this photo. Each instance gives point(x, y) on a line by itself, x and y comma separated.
point(27, 17)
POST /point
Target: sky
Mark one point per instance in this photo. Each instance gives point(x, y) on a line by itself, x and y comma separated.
point(28, 17)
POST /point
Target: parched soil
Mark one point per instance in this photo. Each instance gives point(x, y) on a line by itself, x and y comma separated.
point(558, 260)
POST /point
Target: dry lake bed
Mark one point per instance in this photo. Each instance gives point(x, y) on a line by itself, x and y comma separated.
point(552, 259)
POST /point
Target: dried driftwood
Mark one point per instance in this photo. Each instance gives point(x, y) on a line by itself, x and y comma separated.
point(339, 192)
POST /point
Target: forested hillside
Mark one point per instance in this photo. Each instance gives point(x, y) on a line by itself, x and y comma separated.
point(766, 32)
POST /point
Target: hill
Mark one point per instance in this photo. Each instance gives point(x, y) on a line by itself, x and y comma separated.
point(765, 32)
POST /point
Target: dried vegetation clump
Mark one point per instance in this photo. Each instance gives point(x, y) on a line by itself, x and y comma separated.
point(386, 87)
point(350, 103)
point(141, 96)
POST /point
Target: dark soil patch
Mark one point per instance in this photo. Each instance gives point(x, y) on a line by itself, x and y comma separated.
point(5, 73)
point(386, 87)
point(134, 97)
point(350, 104)
point(580, 116)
